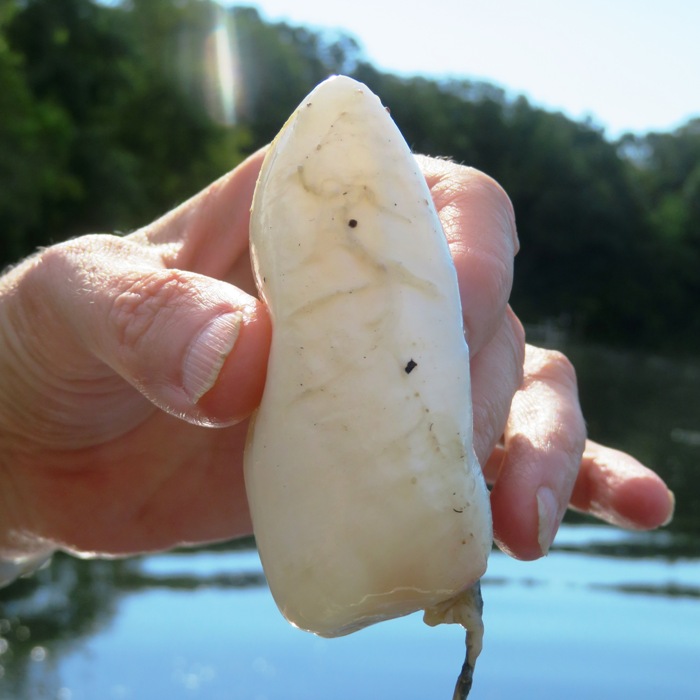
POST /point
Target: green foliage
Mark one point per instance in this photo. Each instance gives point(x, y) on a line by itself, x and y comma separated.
point(279, 65)
point(113, 113)
point(99, 135)
point(33, 145)
point(666, 170)
point(585, 232)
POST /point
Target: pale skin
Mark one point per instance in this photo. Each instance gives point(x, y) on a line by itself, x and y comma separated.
point(106, 448)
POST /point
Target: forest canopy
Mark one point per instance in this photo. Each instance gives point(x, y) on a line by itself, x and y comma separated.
point(110, 114)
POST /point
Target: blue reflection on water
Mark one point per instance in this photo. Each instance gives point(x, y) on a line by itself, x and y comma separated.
point(203, 563)
point(571, 626)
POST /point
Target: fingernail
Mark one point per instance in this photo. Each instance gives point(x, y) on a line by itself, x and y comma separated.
point(672, 508)
point(514, 230)
point(207, 354)
point(547, 518)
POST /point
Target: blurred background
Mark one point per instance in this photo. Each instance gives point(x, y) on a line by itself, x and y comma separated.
point(588, 114)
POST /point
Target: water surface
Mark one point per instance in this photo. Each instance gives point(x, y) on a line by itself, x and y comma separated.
point(608, 614)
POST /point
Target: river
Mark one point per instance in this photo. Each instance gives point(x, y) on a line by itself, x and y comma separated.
point(608, 614)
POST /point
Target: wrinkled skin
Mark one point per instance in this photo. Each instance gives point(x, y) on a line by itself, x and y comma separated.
point(104, 449)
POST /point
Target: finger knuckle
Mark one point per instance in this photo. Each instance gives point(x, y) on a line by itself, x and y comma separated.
point(500, 279)
point(560, 368)
point(489, 418)
point(55, 276)
point(517, 341)
point(144, 304)
point(460, 185)
point(552, 366)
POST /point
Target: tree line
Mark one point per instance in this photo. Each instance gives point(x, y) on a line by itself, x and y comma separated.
point(112, 113)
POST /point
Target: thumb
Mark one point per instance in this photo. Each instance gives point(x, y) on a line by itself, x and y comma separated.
point(196, 347)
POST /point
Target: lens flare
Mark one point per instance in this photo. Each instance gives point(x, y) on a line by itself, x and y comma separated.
point(221, 67)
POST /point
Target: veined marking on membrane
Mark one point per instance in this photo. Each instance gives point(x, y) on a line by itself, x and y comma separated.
point(393, 268)
point(379, 269)
point(320, 302)
point(425, 422)
point(349, 194)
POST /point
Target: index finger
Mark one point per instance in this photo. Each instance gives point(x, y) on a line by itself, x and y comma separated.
point(208, 233)
point(479, 223)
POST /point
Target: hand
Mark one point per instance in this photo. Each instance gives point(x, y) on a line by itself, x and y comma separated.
point(109, 369)
point(534, 450)
point(112, 378)
point(544, 463)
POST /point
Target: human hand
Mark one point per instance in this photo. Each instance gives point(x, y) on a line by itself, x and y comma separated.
point(107, 443)
point(108, 373)
point(534, 450)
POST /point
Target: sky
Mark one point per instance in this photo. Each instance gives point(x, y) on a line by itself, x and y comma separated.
point(628, 65)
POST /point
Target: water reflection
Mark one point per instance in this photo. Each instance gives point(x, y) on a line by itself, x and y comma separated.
point(45, 616)
point(202, 621)
point(50, 621)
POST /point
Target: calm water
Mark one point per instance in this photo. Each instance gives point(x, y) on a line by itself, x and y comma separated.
point(609, 614)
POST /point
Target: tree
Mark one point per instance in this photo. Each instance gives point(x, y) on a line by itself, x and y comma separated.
point(279, 65)
point(34, 138)
point(132, 141)
point(112, 114)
